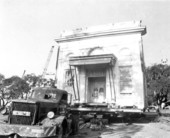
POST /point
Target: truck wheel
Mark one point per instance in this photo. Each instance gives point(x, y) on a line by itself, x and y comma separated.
point(74, 125)
point(60, 133)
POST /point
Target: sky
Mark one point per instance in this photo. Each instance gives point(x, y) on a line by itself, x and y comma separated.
point(28, 28)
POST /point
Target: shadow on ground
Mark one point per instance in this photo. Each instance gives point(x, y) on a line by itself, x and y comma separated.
point(118, 128)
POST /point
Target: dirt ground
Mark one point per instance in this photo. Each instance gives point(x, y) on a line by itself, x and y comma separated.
point(146, 127)
point(135, 130)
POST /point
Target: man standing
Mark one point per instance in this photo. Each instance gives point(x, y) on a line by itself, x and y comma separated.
point(161, 98)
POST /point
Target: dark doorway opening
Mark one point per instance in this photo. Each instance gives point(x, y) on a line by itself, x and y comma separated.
point(96, 89)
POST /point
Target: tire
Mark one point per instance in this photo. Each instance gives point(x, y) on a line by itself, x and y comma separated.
point(74, 125)
point(60, 133)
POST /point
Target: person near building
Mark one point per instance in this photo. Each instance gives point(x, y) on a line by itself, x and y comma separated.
point(101, 95)
point(161, 98)
point(95, 95)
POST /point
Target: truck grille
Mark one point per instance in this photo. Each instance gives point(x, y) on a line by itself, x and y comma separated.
point(22, 113)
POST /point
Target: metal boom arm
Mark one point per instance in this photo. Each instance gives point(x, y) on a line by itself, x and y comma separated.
point(47, 62)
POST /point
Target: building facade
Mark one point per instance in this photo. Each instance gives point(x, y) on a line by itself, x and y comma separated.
point(103, 64)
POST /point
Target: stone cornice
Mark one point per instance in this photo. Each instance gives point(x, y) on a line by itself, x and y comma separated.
point(85, 35)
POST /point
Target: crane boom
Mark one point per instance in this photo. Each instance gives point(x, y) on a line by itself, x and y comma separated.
point(47, 62)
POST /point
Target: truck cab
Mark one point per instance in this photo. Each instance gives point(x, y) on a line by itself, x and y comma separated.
point(44, 114)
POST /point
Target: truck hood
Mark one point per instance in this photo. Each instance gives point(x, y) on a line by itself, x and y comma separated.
point(25, 131)
point(33, 100)
point(30, 130)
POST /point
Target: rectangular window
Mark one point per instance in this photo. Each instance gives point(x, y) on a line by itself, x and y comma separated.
point(125, 79)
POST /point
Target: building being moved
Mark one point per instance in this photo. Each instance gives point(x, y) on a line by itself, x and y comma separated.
point(104, 65)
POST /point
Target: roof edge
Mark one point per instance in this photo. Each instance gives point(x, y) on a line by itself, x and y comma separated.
point(85, 35)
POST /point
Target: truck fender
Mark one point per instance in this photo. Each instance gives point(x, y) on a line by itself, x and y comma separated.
point(58, 122)
point(53, 122)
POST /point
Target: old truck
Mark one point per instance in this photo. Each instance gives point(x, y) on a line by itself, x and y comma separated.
point(43, 115)
point(103, 67)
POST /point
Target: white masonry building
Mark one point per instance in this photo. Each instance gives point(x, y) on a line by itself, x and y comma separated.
point(104, 64)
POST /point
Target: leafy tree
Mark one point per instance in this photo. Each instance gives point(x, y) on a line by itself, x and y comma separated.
point(32, 79)
point(35, 81)
point(158, 77)
point(1, 77)
point(15, 87)
point(12, 88)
